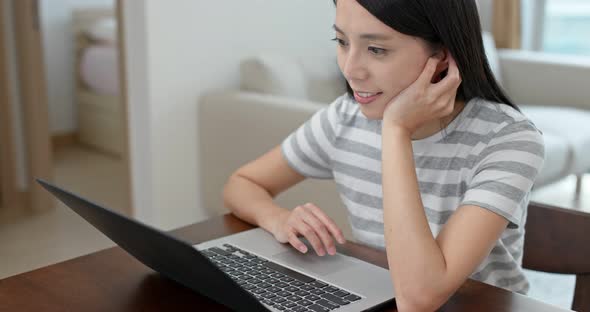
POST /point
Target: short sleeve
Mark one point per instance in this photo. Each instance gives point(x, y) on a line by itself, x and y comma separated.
point(308, 149)
point(506, 170)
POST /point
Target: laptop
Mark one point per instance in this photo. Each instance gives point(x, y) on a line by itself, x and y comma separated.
point(247, 271)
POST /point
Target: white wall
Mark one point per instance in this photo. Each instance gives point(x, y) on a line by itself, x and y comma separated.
point(58, 46)
point(194, 46)
point(138, 110)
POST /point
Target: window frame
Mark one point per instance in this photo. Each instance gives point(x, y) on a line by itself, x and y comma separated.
point(533, 24)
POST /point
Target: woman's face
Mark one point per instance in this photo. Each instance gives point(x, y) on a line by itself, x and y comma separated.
point(375, 58)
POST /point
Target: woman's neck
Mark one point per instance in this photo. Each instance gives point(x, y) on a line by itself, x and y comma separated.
point(437, 125)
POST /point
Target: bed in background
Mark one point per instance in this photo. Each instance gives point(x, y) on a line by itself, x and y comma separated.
point(97, 96)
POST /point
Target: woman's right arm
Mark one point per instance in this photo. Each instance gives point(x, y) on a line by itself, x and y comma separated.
point(249, 194)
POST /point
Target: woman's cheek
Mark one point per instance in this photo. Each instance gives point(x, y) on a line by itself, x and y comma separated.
point(396, 89)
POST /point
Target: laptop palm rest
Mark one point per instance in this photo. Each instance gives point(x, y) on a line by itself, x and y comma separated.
point(311, 262)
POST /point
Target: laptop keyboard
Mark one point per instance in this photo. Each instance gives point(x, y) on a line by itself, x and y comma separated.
point(275, 285)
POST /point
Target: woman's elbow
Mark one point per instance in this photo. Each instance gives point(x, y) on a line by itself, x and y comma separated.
point(419, 300)
point(227, 192)
point(404, 305)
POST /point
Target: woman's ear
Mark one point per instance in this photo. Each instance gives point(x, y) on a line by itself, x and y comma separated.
point(443, 64)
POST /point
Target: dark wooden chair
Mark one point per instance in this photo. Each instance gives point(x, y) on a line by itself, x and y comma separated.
point(557, 240)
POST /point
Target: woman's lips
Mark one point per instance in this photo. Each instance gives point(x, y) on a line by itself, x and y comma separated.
point(366, 100)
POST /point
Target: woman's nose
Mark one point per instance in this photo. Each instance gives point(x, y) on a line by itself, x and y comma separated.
point(354, 69)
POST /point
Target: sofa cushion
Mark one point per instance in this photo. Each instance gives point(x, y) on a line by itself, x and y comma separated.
point(314, 78)
point(273, 74)
point(324, 79)
point(571, 125)
point(556, 165)
point(104, 30)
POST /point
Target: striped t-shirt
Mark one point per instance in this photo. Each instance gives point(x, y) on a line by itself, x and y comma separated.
point(488, 156)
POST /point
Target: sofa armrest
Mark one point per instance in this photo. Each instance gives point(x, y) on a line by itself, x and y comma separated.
point(236, 127)
point(546, 79)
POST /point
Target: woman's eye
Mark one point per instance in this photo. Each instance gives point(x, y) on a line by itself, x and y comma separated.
point(339, 41)
point(377, 51)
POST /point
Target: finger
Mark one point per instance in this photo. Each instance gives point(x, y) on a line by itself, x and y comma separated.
point(328, 222)
point(311, 237)
point(429, 69)
point(450, 83)
point(296, 242)
point(454, 71)
point(321, 231)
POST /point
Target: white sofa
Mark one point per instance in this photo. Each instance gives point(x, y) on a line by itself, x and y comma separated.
point(278, 94)
point(552, 90)
point(236, 127)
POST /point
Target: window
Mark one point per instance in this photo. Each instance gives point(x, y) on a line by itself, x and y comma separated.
point(567, 27)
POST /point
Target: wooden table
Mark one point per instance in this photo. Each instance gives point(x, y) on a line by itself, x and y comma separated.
point(112, 280)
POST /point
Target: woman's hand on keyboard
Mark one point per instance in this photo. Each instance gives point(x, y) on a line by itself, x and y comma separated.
point(312, 223)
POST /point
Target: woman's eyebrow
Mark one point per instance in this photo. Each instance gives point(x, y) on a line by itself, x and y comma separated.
point(366, 36)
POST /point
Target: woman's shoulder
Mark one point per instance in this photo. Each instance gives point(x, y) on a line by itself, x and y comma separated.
point(502, 119)
point(506, 129)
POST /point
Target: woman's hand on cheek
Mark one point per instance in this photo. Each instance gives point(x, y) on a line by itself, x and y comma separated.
point(424, 101)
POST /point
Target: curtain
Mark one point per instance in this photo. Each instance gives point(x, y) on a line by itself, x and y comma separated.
point(507, 24)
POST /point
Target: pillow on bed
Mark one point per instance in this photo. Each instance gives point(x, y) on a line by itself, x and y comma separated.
point(103, 30)
point(99, 69)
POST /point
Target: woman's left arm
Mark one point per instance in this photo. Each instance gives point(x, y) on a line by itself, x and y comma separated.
point(426, 270)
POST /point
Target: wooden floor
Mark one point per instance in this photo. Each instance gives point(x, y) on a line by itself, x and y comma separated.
point(31, 241)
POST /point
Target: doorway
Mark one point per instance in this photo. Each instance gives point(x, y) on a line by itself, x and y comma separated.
point(71, 101)
point(31, 147)
point(85, 99)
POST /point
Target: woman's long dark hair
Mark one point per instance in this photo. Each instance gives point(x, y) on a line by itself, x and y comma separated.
point(453, 24)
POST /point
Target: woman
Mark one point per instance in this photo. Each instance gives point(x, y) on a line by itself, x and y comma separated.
point(431, 159)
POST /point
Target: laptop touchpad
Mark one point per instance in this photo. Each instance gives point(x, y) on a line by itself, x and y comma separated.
point(313, 263)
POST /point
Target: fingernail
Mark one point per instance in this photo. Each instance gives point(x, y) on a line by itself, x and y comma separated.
point(303, 249)
point(332, 251)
